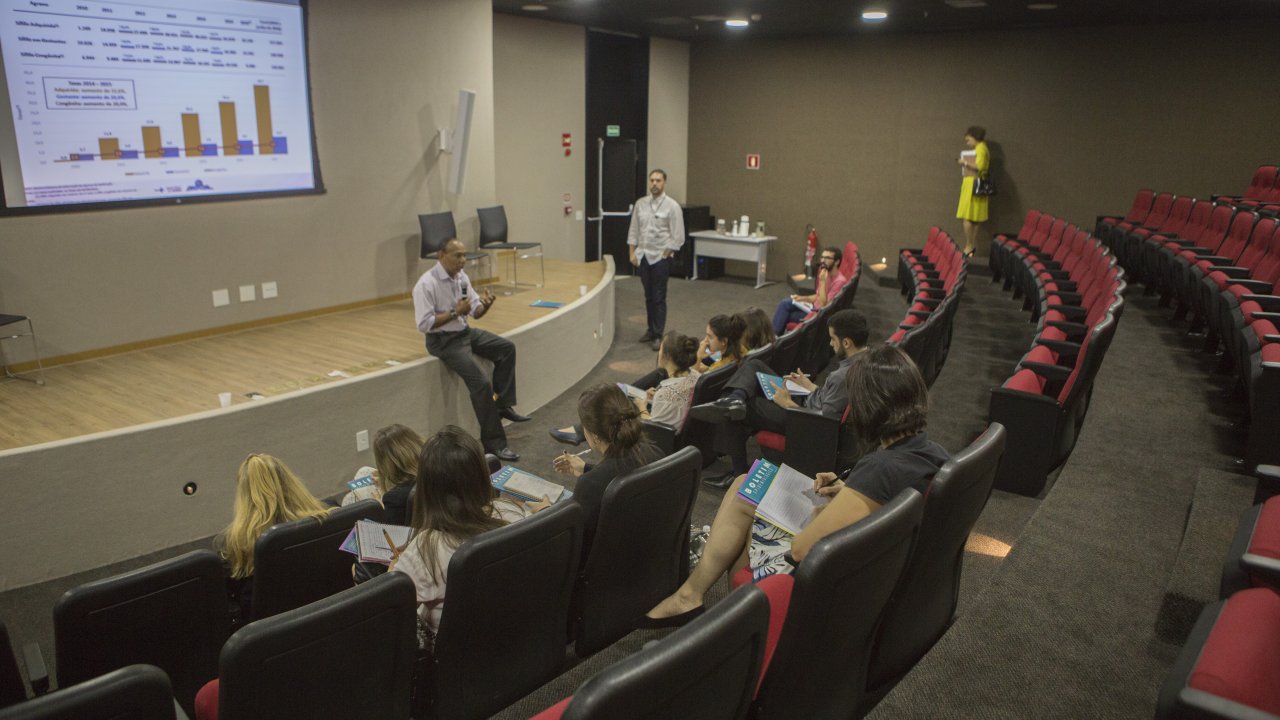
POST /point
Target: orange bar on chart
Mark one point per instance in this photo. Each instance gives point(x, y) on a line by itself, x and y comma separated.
point(109, 148)
point(151, 142)
point(191, 134)
point(227, 113)
point(262, 108)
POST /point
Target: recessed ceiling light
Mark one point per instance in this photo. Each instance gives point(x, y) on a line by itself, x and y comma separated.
point(533, 8)
point(874, 15)
point(737, 23)
point(1042, 6)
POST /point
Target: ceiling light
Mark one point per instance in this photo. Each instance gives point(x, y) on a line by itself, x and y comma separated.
point(737, 23)
point(533, 8)
point(1042, 6)
point(874, 15)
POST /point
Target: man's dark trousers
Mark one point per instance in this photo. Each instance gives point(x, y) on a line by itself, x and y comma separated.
point(455, 350)
point(654, 278)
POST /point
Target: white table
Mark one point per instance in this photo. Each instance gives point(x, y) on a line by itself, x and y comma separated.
point(709, 243)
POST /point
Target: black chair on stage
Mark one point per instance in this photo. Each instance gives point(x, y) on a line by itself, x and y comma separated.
point(639, 551)
point(502, 632)
point(172, 615)
point(349, 655)
point(493, 237)
point(298, 562)
point(437, 229)
point(136, 692)
point(5, 322)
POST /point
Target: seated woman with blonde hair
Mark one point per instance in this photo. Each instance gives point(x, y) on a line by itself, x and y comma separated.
point(395, 455)
point(888, 406)
point(267, 493)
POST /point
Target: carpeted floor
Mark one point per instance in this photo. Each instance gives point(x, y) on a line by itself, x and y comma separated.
point(1062, 627)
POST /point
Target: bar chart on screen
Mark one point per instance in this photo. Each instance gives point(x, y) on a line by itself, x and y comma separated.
point(118, 101)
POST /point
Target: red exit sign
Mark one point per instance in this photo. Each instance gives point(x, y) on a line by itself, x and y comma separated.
point(753, 162)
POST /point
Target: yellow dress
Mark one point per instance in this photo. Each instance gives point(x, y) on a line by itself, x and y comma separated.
point(974, 207)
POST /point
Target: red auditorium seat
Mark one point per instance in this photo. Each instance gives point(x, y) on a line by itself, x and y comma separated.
point(1230, 665)
point(1137, 213)
point(1254, 557)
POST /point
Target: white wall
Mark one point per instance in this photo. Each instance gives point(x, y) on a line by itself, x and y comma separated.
point(384, 76)
point(539, 79)
point(669, 113)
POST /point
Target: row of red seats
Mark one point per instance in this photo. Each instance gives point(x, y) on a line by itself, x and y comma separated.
point(1220, 263)
point(932, 278)
point(1229, 666)
point(1073, 287)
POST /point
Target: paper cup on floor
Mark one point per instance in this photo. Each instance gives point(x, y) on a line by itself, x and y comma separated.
point(224, 399)
point(582, 289)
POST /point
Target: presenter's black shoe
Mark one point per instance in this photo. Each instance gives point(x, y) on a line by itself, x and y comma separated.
point(509, 413)
point(719, 411)
point(506, 454)
point(568, 438)
point(722, 481)
point(648, 337)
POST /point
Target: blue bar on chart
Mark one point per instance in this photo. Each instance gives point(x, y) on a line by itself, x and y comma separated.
point(246, 147)
point(209, 150)
point(169, 152)
point(279, 145)
point(80, 157)
point(128, 154)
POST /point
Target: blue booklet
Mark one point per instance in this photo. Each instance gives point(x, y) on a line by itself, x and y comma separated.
point(360, 482)
point(526, 486)
point(783, 497)
point(769, 385)
point(546, 304)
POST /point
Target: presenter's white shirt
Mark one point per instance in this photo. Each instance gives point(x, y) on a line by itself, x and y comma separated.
point(657, 225)
point(436, 292)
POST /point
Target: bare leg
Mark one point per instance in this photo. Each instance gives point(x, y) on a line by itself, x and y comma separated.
point(726, 549)
point(970, 236)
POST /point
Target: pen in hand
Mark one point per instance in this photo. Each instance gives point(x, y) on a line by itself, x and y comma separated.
point(395, 551)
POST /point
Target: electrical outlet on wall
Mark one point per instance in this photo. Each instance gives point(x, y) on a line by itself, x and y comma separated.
point(248, 293)
point(269, 290)
point(221, 297)
point(362, 441)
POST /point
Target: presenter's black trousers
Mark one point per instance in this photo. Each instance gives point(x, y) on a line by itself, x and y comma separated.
point(455, 350)
point(654, 278)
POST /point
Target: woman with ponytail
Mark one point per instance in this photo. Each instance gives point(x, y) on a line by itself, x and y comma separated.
point(611, 424)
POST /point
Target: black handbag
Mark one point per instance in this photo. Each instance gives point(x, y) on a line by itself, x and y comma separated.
point(983, 187)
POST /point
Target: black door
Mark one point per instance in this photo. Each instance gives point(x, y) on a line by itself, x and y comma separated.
point(617, 106)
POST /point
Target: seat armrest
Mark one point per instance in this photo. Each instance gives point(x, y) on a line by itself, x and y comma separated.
point(1066, 297)
point(1272, 316)
point(37, 672)
point(1064, 348)
point(1072, 312)
point(1072, 329)
point(1053, 373)
point(932, 292)
point(1261, 567)
point(1056, 274)
point(1233, 271)
point(1258, 286)
point(1268, 482)
point(178, 713)
point(930, 274)
point(661, 434)
point(929, 302)
point(924, 265)
point(1269, 303)
point(1214, 259)
point(922, 314)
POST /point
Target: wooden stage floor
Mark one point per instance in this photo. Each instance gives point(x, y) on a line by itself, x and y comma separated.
point(170, 381)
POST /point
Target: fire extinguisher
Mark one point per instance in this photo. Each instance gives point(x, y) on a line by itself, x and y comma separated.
point(811, 249)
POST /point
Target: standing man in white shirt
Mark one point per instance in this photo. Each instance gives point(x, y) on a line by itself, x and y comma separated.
point(657, 233)
point(443, 299)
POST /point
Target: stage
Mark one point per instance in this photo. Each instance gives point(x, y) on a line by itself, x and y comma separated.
point(112, 441)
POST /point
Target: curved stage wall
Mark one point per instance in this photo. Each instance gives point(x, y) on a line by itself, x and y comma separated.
point(78, 504)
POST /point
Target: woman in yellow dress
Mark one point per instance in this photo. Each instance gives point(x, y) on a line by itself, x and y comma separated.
point(973, 162)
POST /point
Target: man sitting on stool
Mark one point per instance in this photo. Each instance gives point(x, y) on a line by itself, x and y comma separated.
point(830, 282)
point(442, 302)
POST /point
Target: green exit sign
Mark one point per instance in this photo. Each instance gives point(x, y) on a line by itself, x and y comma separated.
point(613, 131)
